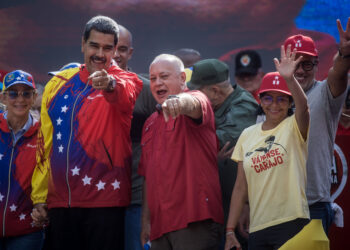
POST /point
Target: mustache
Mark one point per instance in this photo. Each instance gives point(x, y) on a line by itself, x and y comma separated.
point(97, 58)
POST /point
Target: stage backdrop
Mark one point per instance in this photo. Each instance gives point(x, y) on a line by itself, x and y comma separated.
point(42, 35)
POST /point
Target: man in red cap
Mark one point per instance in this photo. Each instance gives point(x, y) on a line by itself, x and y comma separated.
point(325, 101)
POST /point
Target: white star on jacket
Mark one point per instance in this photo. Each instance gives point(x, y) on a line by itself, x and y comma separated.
point(13, 208)
point(66, 97)
point(22, 216)
point(100, 185)
point(64, 109)
point(86, 180)
point(1, 197)
point(59, 136)
point(116, 184)
point(60, 148)
point(75, 171)
point(59, 121)
point(1, 155)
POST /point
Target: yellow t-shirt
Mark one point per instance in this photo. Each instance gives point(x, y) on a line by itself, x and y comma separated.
point(274, 163)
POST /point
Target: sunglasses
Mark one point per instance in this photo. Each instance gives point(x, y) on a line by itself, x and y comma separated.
point(306, 65)
point(13, 94)
point(268, 100)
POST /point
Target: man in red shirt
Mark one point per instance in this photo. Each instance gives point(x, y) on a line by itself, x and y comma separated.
point(182, 206)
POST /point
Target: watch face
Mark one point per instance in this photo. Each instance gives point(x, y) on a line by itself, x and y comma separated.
point(113, 83)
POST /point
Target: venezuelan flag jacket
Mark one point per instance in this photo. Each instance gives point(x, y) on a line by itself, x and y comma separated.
point(84, 146)
point(17, 163)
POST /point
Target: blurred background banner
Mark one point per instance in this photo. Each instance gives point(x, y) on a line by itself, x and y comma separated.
point(42, 35)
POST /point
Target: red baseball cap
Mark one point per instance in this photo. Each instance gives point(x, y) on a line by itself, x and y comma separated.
point(273, 81)
point(303, 44)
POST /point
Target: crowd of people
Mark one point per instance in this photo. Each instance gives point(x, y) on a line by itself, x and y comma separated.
point(179, 158)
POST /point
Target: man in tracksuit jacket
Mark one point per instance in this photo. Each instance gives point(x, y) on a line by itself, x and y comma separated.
point(84, 146)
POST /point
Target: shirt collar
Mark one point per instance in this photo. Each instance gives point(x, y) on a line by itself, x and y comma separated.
point(26, 126)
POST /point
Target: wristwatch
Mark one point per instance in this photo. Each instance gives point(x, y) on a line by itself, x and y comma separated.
point(343, 56)
point(111, 84)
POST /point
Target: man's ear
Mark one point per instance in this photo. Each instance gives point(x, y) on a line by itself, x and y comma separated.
point(82, 44)
point(131, 51)
point(183, 77)
point(183, 80)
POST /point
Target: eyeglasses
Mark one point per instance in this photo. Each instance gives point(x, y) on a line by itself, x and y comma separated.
point(306, 65)
point(13, 94)
point(268, 100)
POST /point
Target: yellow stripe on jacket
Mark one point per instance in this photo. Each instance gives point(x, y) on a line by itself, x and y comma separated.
point(44, 142)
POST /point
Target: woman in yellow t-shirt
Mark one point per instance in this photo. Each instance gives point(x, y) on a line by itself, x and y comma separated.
point(271, 158)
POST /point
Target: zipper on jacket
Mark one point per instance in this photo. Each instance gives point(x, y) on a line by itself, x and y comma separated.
point(8, 191)
point(69, 142)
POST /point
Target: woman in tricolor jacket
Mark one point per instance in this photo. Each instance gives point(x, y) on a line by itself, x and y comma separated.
point(18, 135)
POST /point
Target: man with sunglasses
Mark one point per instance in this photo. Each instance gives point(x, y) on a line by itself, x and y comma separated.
point(18, 133)
point(325, 99)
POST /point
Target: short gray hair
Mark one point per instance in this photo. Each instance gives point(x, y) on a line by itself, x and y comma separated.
point(171, 58)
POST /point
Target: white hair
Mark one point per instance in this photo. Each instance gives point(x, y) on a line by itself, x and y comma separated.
point(171, 58)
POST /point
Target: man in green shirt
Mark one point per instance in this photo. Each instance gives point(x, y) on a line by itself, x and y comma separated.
point(235, 110)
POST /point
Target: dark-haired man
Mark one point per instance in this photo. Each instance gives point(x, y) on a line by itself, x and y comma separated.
point(145, 105)
point(248, 71)
point(325, 100)
point(188, 56)
point(84, 150)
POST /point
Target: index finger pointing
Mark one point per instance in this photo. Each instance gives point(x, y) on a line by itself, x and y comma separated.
point(93, 75)
point(104, 72)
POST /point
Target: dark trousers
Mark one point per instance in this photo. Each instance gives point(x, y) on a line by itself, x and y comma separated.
point(274, 237)
point(133, 228)
point(86, 228)
point(31, 241)
point(324, 212)
point(202, 235)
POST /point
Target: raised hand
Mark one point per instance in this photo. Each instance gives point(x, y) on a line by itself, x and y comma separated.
point(344, 38)
point(288, 63)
